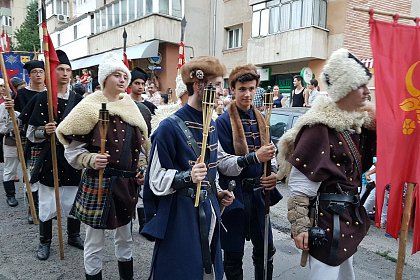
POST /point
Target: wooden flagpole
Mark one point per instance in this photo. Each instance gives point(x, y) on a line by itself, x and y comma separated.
point(383, 13)
point(408, 203)
point(19, 146)
point(52, 136)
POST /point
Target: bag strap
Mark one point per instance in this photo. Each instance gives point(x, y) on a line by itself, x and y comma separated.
point(353, 150)
point(188, 134)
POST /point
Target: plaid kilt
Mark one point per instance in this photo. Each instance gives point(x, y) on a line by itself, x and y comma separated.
point(35, 151)
point(86, 207)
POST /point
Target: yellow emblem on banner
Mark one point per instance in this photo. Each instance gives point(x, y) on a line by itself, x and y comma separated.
point(24, 58)
point(411, 103)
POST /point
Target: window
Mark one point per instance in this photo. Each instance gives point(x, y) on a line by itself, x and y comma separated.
point(75, 32)
point(176, 8)
point(164, 7)
point(116, 14)
point(140, 9)
point(6, 20)
point(149, 7)
point(108, 15)
point(234, 38)
point(123, 11)
point(281, 15)
point(132, 9)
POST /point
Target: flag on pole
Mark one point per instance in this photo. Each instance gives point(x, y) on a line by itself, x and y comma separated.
point(7, 43)
point(395, 49)
point(3, 41)
point(54, 62)
point(181, 55)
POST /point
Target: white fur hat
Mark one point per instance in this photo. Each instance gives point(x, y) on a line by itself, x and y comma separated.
point(109, 65)
point(344, 73)
point(1, 82)
point(181, 88)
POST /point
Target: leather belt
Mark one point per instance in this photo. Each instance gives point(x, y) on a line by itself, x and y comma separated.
point(110, 172)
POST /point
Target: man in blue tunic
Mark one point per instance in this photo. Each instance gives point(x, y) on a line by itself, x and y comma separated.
point(187, 237)
point(242, 151)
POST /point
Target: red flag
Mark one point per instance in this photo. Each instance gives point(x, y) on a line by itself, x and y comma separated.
point(2, 42)
point(125, 60)
point(181, 55)
point(396, 54)
point(54, 62)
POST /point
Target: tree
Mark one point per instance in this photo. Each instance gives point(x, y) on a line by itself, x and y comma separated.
point(27, 36)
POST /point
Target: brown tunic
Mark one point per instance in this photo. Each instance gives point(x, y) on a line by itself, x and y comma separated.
point(124, 191)
point(322, 155)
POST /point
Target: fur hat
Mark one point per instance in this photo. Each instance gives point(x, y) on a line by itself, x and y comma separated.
point(180, 88)
point(30, 65)
point(138, 73)
point(202, 68)
point(109, 65)
point(344, 73)
point(1, 82)
point(62, 57)
point(239, 71)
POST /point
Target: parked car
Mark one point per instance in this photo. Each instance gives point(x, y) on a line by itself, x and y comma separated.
point(282, 119)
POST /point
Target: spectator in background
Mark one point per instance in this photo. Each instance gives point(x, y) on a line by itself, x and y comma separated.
point(154, 95)
point(95, 84)
point(85, 79)
point(80, 89)
point(164, 99)
point(77, 79)
point(297, 99)
point(311, 93)
point(277, 97)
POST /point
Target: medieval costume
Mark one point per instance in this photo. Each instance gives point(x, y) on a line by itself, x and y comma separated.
point(80, 133)
point(35, 116)
point(324, 156)
point(187, 238)
point(11, 160)
point(241, 133)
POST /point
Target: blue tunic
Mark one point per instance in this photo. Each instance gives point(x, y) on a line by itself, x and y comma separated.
point(236, 215)
point(173, 219)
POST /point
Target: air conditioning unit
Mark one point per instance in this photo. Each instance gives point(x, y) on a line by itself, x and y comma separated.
point(62, 18)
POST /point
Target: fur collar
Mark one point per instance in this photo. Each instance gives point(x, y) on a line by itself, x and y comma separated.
point(84, 117)
point(238, 134)
point(326, 112)
point(161, 113)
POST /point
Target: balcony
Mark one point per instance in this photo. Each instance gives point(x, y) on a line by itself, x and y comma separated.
point(152, 27)
point(294, 45)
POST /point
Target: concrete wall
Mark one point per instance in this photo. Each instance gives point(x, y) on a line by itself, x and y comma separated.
point(199, 26)
point(149, 28)
point(300, 44)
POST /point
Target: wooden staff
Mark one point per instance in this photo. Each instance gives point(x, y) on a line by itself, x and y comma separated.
point(268, 109)
point(19, 146)
point(383, 13)
point(208, 106)
point(103, 130)
point(52, 136)
point(404, 231)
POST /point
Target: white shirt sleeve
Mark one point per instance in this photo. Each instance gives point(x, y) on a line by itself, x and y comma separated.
point(72, 151)
point(300, 185)
point(160, 179)
point(228, 164)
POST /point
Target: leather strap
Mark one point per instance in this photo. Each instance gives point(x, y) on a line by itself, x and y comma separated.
point(335, 238)
point(339, 198)
point(353, 151)
point(204, 238)
point(188, 134)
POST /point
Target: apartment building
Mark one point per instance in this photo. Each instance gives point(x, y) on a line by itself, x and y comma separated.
point(87, 29)
point(289, 37)
point(12, 15)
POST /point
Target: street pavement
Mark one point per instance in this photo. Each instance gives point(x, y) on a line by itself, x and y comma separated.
point(375, 258)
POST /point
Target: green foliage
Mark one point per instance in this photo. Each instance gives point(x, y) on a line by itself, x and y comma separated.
point(27, 36)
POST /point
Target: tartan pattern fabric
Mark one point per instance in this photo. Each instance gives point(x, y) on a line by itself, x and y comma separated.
point(35, 151)
point(86, 207)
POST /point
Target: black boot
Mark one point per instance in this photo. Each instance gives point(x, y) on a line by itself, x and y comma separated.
point(258, 259)
point(94, 277)
point(73, 232)
point(45, 234)
point(233, 265)
point(9, 188)
point(36, 204)
point(125, 270)
point(141, 217)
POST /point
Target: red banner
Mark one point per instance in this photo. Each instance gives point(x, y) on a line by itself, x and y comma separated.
point(181, 56)
point(395, 49)
point(54, 62)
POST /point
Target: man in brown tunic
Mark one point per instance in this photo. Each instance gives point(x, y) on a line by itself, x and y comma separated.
point(322, 156)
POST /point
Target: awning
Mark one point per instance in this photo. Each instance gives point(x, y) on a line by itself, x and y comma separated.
point(143, 50)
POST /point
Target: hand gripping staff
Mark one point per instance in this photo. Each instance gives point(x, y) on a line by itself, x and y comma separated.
point(103, 130)
point(208, 107)
point(268, 109)
point(19, 146)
